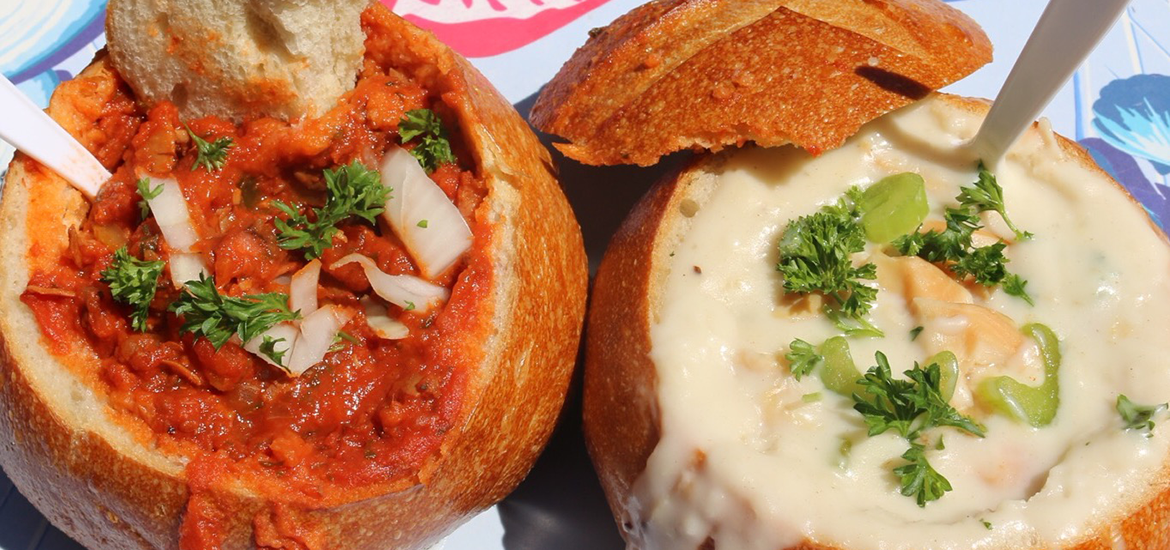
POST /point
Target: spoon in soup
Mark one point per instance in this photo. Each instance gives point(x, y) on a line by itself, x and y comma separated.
point(31, 131)
point(1066, 33)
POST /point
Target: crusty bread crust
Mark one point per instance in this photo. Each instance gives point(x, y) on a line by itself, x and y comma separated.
point(101, 482)
point(807, 72)
point(620, 403)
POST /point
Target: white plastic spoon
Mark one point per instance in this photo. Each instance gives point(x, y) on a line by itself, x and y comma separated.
point(1068, 30)
point(30, 130)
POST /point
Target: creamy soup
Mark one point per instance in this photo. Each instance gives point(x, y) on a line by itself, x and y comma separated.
point(752, 458)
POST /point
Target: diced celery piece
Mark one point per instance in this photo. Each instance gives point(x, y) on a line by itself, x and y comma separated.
point(839, 373)
point(948, 366)
point(1035, 405)
point(894, 206)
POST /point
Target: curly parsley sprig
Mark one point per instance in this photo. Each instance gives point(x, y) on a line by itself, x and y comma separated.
point(146, 192)
point(210, 155)
point(986, 265)
point(353, 190)
point(433, 147)
point(986, 195)
point(816, 257)
point(207, 313)
point(133, 282)
point(911, 407)
point(802, 358)
point(919, 479)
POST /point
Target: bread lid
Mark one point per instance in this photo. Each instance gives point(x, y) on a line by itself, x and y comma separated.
point(678, 74)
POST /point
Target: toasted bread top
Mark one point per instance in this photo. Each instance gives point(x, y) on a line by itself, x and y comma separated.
point(677, 74)
point(287, 59)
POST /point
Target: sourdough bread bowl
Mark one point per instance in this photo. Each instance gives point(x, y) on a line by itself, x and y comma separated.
point(419, 414)
point(709, 428)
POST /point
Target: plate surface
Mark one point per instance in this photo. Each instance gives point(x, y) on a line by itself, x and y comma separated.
point(1117, 106)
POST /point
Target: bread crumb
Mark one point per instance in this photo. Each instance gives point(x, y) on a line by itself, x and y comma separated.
point(744, 79)
point(873, 61)
point(722, 91)
point(651, 61)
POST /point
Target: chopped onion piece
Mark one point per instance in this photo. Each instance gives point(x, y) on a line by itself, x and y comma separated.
point(405, 291)
point(381, 323)
point(318, 331)
point(170, 212)
point(186, 266)
point(173, 219)
point(302, 290)
point(285, 335)
point(418, 211)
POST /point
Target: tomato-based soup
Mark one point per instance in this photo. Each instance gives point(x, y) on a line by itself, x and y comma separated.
point(374, 409)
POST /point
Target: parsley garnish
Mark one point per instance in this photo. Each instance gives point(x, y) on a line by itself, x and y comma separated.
point(914, 332)
point(268, 348)
point(1138, 417)
point(985, 264)
point(342, 336)
point(211, 156)
point(985, 195)
point(802, 358)
point(919, 479)
point(433, 147)
point(422, 224)
point(133, 282)
point(1014, 285)
point(146, 193)
point(910, 407)
point(209, 314)
point(815, 257)
point(947, 246)
point(353, 190)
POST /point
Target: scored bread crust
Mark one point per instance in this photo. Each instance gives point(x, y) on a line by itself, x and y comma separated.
point(101, 482)
point(677, 74)
point(621, 420)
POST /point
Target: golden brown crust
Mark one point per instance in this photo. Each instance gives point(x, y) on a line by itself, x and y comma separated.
point(106, 489)
point(620, 402)
point(807, 72)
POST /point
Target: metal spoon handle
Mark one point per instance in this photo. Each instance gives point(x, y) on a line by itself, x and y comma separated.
point(30, 130)
point(1068, 30)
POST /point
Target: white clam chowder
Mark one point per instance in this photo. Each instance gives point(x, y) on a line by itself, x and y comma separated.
point(749, 461)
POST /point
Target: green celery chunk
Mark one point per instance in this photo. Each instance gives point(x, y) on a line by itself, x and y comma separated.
point(892, 207)
point(1035, 405)
point(948, 366)
point(839, 373)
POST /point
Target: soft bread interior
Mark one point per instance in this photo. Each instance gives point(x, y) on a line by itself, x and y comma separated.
point(237, 58)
